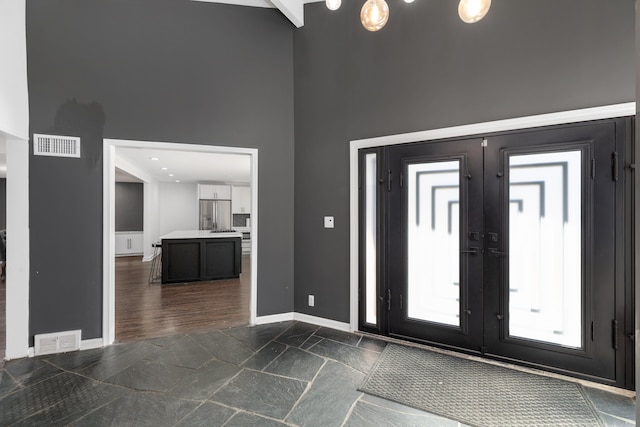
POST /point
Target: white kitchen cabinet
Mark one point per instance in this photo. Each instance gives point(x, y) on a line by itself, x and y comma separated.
point(241, 199)
point(129, 243)
point(214, 192)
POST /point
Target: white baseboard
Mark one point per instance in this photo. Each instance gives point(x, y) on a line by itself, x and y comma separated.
point(90, 344)
point(274, 318)
point(301, 317)
point(321, 321)
point(147, 258)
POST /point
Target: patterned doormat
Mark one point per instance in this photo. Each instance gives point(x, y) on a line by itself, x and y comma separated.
point(476, 393)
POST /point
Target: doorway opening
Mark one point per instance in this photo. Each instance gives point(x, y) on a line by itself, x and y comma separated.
point(134, 294)
point(510, 245)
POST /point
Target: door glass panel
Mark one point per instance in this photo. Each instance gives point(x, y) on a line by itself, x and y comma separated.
point(545, 247)
point(433, 236)
point(371, 238)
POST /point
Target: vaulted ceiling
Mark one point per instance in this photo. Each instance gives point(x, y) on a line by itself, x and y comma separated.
point(292, 9)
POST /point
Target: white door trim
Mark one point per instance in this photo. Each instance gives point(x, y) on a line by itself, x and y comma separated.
point(572, 116)
point(17, 290)
point(108, 177)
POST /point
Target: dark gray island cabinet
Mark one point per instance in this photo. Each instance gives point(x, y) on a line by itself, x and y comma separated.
point(199, 255)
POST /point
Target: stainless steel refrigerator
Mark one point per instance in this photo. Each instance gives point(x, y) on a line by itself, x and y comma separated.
point(215, 215)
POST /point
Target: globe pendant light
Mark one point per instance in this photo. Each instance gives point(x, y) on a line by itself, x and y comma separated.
point(333, 4)
point(471, 11)
point(374, 14)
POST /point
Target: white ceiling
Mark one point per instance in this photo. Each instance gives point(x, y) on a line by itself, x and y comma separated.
point(292, 9)
point(186, 166)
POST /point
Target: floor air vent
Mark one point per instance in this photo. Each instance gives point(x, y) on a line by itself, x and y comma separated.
point(58, 342)
point(56, 145)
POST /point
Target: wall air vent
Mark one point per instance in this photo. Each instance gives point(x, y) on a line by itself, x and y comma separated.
point(56, 145)
point(57, 342)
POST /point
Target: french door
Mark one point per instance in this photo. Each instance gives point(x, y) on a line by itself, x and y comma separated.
point(508, 245)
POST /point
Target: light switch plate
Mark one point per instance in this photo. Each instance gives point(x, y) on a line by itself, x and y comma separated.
point(328, 222)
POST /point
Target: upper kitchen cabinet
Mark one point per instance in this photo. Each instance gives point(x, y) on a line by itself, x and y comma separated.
point(214, 192)
point(241, 199)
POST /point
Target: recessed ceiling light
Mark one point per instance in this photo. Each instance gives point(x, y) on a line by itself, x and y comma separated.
point(164, 169)
point(154, 158)
point(170, 174)
point(177, 180)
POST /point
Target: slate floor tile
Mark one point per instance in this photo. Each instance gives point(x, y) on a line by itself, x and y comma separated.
point(80, 402)
point(296, 364)
point(243, 419)
point(258, 336)
point(297, 334)
point(310, 342)
point(202, 383)
point(117, 357)
point(265, 356)
point(208, 414)
point(139, 409)
point(330, 397)
point(7, 384)
point(340, 336)
point(149, 376)
point(612, 404)
point(366, 415)
point(372, 344)
point(358, 358)
point(261, 393)
point(31, 370)
point(27, 401)
point(223, 347)
point(183, 351)
point(76, 360)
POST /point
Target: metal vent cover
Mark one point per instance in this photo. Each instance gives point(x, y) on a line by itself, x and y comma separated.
point(57, 342)
point(56, 145)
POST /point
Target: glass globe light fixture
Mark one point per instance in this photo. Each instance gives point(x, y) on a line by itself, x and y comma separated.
point(374, 14)
point(333, 4)
point(471, 11)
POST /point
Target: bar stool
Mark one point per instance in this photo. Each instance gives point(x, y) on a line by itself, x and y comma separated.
point(156, 263)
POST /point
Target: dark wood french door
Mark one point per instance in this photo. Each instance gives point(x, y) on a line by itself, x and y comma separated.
point(508, 246)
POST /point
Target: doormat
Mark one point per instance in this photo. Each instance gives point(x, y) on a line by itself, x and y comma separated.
point(476, 393)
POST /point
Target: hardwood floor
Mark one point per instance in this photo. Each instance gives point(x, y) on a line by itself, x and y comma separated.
point(144, 311)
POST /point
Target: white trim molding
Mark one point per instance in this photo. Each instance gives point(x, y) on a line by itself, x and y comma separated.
point(306, 318)
point(108, 177)
point(17, 291)
point(528, 122)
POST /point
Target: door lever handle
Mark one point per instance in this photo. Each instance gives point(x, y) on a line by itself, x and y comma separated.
point(471, 250)
point(495, 252)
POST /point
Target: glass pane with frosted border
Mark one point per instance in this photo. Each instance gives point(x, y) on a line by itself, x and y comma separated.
point(545, 247)
point(371, 237)
point(433, 239)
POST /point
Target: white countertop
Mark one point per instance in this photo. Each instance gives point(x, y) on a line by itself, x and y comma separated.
point(199, 234)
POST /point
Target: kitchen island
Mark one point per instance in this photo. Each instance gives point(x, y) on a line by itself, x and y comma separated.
point(200, 255)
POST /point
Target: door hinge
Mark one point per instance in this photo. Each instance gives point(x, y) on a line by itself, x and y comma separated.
point(631, 166)
point(614, 166)
point(400, 301)
point(614, 332)
point(593, 168)
point(388, 299)
point(389, 181)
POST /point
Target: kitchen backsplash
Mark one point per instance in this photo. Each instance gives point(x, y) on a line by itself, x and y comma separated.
point(240, 220)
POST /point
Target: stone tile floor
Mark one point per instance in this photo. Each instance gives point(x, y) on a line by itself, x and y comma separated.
point(272, 375)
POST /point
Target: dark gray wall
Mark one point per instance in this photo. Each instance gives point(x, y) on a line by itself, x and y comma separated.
point(129, 206)
point(3, 203)
point(162, 70)
point(427, 69)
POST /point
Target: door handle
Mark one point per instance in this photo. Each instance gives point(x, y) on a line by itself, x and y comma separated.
point(495, 252)
point(471, 251)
